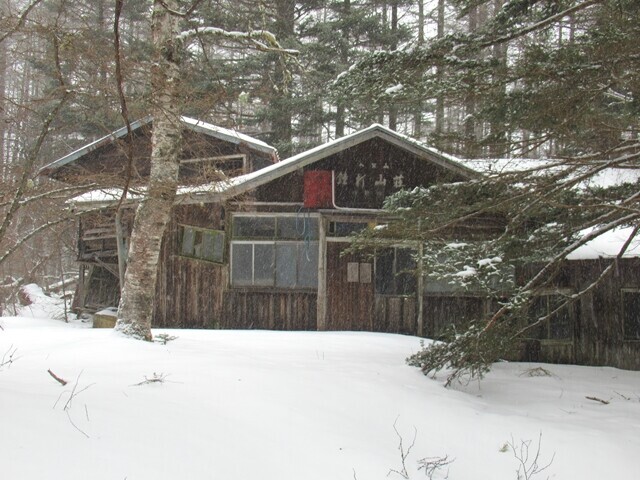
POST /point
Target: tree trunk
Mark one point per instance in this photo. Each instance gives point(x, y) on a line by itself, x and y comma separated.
point(417, 113)
point(439, 127)
point(154, 213)
point(282, 115)
point(393, 108)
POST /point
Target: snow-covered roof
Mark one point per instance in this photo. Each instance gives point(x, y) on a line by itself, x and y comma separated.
point(238, 185)
point(104, 197)
point(244, 183)
point(607, 177)
point(221, 133)
point(607, 245)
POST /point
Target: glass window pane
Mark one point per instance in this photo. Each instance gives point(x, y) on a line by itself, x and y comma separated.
point(188, 237)
point(241, 264)
point(254, 227)
point(197, 244)
point(218, 247)
point(308, 265)
point(264, 264)
point(345, 229)
point(406, 283)
point(560, 323)
point(384, 272)
point(300, 227)
point(631, 310)
point(213, 246)
point(286, 254)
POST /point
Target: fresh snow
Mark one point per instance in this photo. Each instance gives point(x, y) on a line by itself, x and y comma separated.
point(290, 405)
point(607, 245)
point(395, 89)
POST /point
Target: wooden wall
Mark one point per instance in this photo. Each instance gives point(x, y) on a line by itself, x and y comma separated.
point(193, 293)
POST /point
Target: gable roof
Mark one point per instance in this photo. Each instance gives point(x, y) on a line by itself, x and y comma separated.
point(199, 126)
point(231, 187)
point(244, 183)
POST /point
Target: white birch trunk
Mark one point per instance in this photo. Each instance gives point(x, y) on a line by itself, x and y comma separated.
point(154, 213)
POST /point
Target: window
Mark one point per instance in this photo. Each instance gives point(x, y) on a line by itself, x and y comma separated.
point(275, 251)
point(395, 271)
point(345, 229)
point(558, 326)
point(202, 243)
point(631, 314)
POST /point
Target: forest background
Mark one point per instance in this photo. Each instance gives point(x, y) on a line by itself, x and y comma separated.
point(478, 79)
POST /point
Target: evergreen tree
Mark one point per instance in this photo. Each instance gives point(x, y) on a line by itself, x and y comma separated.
point(569, 87)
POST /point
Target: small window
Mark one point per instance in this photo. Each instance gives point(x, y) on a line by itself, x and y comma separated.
point(202, 243)
point(395, 272)
point(558, 326)
point(631, 314)
point(345, 229)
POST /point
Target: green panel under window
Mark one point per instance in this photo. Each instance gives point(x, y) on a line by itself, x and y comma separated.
point(213, 246)
point(203, 244)
point(188, 238)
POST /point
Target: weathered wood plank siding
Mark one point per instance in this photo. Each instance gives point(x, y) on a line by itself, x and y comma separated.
point(395, 314)
point(599, 321)
point(443, 311)
point(269, 310)
point(349, 304)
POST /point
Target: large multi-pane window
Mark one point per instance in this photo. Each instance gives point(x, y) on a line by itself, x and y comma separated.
point(202, 243)
point(275, 251)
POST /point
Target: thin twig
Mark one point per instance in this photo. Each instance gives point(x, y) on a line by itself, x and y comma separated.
point(61, 381)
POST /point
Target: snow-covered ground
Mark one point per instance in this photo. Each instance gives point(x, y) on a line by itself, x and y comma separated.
point(292, 405)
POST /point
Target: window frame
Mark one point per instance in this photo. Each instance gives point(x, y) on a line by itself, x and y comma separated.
point(183, 229)
point(626, 338)
point(312, 243)
point(571, 314)
point(395, 273)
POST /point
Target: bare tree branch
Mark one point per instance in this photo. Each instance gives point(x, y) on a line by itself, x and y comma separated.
point(21, 20)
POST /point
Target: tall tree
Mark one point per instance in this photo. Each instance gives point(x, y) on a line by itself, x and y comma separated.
point(579, 100)
point(169, 52)
point(154, 212)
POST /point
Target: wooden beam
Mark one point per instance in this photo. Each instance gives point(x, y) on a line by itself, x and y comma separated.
point(420, 292)
point(122, 247)
point(321, 314)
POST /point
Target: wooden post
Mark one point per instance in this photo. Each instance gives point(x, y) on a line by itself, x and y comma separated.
point(122, 248)
point(321, 314)
point(420, 292)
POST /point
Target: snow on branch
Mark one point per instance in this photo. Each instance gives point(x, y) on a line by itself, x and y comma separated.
point(262, 40)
